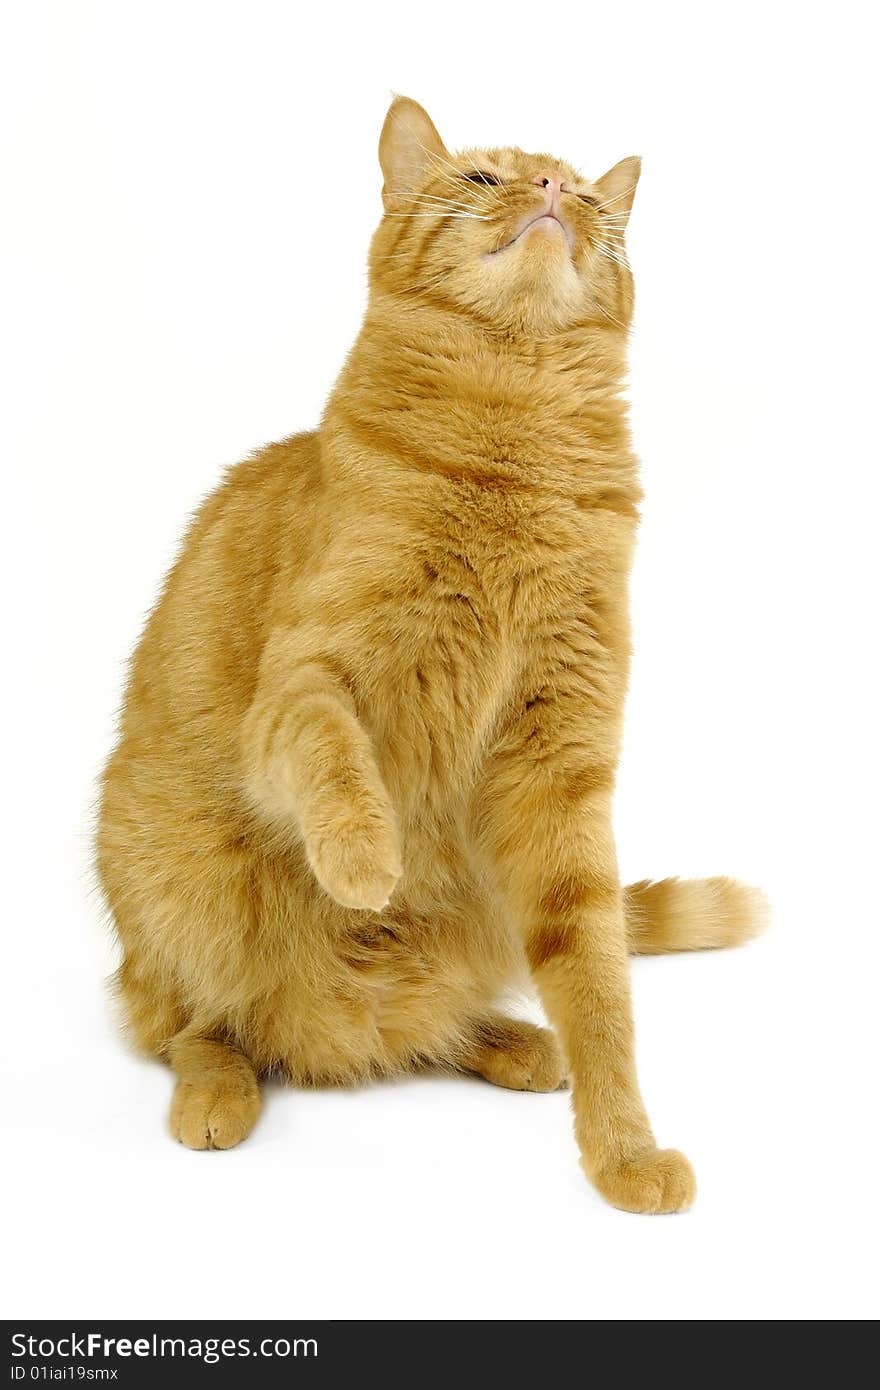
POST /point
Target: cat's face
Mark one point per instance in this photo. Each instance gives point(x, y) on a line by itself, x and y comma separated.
point(520, 241)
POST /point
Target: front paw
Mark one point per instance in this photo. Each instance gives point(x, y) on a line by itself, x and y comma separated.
point(661, 1181)
point(356, 859)
point(212, 1114)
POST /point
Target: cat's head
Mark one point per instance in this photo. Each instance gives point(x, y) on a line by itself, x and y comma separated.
point(519, 241)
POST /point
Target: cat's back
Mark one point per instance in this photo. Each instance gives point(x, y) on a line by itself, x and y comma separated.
point(196, 663)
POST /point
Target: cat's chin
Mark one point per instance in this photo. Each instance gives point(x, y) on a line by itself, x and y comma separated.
point(532, 285)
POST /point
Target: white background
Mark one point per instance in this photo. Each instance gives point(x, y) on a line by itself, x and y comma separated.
point(189, 189)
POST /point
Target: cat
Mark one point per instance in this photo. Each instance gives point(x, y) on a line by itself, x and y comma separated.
point(366, 758)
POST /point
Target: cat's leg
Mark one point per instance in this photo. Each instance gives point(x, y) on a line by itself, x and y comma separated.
point(217, 1098)
point(546, 823)
point(511, 1052)
point(309, 762)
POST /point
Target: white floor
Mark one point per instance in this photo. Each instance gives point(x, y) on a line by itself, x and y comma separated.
point(446, 1198)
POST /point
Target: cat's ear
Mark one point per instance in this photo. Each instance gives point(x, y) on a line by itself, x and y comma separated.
point(617, 188)
point(409, 147)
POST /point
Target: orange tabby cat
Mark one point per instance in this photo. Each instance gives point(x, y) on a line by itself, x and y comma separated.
point(366, 761)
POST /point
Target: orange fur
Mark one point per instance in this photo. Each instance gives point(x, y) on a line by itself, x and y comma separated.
point(367, 754)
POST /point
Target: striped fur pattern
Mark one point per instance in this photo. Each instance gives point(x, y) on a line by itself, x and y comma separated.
point(364, 774)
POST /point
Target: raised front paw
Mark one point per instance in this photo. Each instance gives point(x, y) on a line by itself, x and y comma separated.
point(657, 1182)
point(356, 859)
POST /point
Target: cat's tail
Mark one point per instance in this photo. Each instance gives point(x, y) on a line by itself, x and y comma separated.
point(692, 914)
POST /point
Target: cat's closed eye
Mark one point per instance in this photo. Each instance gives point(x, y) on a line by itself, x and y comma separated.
point(478, 176)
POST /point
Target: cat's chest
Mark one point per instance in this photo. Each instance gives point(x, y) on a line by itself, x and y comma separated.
point(477, 621)
point(491, 596)
point(519, 564)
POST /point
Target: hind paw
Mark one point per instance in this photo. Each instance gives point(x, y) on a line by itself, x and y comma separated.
point(518, 1055)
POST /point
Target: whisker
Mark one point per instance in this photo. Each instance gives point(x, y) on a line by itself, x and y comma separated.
point(608, 201)
point(482, 198)
point(438, 159)
point(612, 255)
point(434, 283)
point(406, 255)
point(611, 318)
point(427, 198)
point(441, 212)
point(605, 246)
point(486, 190)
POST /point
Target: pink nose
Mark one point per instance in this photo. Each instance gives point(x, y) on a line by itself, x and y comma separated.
point(553, 186)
